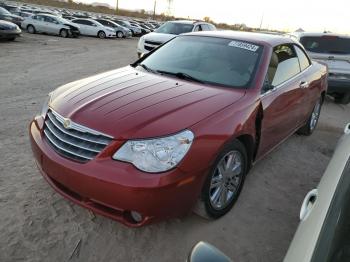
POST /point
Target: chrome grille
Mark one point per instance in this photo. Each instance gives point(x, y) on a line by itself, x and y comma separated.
point(76, 142)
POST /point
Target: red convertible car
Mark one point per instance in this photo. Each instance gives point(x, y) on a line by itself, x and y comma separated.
point(182, 125)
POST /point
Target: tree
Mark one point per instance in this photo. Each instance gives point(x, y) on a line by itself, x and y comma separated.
point(207, 19)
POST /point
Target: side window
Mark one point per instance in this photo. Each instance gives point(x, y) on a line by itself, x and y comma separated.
point(284, 65)
point(198, 28)
point(40, 18)
point(212, 27)
point(89, 23)
point(205, 27)
point(78, 21)
point(303, 59)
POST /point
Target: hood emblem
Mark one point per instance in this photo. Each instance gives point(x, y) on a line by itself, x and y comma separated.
point(67, 123)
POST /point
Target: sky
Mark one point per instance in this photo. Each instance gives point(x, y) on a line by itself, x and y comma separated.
point(311, 15)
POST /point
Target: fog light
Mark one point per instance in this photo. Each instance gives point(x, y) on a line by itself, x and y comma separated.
point(136, 216)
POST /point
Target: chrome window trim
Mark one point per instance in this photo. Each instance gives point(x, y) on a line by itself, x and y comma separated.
point(281, 85)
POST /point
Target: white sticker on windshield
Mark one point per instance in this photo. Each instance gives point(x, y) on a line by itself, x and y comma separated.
point(244, 45)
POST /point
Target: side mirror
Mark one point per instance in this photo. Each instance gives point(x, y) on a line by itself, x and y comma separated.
point(267, 86)
point(204, 252)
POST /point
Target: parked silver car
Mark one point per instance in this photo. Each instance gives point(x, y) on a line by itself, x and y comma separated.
point(121, 31)
point(50, 24)
point(334, 50)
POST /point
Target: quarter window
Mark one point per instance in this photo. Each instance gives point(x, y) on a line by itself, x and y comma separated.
point(303, 59)
point(284, 65)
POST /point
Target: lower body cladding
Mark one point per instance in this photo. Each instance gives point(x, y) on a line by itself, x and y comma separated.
point(115, 189)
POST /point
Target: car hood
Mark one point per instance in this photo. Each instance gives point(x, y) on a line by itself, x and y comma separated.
point(159, 37)
point(129, 103)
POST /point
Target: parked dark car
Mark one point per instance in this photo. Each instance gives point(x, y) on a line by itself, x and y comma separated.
point(9, 30)
point(7, 16)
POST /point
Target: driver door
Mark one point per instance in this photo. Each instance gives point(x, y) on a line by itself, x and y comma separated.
point(281, 98)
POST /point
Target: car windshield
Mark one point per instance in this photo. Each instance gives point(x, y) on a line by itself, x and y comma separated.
point(3, 11)
point(210, 60)
point(174, 28)
point(326, 44)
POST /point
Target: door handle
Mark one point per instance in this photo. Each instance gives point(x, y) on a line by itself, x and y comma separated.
point(308, 204)
point(304, 84)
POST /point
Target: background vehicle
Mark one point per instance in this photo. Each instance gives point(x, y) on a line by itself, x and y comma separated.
point(121, 31)
point(7, 16)
point(334, 50)
point(50, 24)
point(144, 30)
point(136, 31)
point(91, 27)
point(168, 31)
point(323, 233)
point(9, 30)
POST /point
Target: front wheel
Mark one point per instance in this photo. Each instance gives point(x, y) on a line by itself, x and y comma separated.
point(101, 34)
point(64, 33)
point(225, 181)
point(311, 124)
point(120, 34)
point(31, 29)
point(342, 98)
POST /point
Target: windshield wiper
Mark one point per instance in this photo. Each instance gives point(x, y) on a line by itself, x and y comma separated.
point(182, 75)
point(147, 68)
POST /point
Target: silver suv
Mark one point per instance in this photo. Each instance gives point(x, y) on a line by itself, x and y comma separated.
point(334, 50)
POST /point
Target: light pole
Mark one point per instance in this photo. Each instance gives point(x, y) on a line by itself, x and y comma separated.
point(117, 7)
point(154, 9)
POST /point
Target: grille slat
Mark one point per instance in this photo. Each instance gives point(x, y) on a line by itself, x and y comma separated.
point(76, 142)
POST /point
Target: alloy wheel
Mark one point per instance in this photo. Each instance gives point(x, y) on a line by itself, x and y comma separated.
point(226, 180)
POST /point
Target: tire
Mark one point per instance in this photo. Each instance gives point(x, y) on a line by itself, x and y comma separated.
point(311, 124)
point(31, 29)
point(101, 34)
point(11, 39)
point(64, 33)
point(120, 34)
point(342, 98)
point(218, 185)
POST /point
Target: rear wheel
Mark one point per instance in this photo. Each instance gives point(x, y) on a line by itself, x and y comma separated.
point(64, 33)
point(342, 98)
point(12, 39)
point(311, 124)
point(224, 183)
point(31, 29)
point(101, 34)
point(120, 34)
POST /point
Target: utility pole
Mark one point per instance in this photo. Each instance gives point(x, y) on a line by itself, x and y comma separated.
point(262, 20)
point(154, 9)
point(117, 7)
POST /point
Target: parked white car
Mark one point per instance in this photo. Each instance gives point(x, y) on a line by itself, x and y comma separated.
point(50, 24)
point(168, 31)
point(91, 27)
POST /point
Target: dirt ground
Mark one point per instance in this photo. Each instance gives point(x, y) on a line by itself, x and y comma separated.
point(37, 224)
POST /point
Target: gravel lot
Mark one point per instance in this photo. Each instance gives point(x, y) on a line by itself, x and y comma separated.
point(36, 224)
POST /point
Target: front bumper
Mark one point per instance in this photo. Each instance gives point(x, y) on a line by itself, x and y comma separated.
point(114, 189)
point(5, 34)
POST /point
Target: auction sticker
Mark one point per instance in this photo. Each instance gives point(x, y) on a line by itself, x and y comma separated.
point(244, 45)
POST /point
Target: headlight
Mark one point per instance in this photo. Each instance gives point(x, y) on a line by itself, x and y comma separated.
point(45, 107)
point(158, 154)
